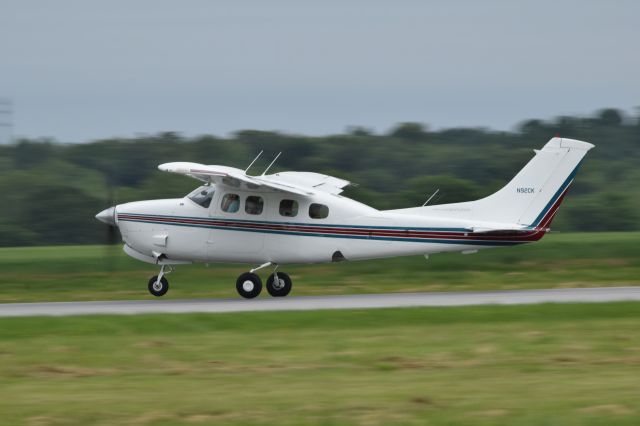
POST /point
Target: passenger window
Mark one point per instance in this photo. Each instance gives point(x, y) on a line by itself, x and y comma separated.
point(288, 208)
point(230, 203)
point(253, 204)
point(318, 211)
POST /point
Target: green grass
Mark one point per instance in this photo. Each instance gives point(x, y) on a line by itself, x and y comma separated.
point(559, 260)
point(535, 365)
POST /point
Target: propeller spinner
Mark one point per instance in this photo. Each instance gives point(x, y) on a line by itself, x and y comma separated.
point(107, 216)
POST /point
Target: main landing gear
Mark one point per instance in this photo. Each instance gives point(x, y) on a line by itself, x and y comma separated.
point(249, 284)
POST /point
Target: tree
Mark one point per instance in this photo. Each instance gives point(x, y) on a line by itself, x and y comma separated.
point(450, 190)
point(409, 131)
point(52, 191)
point(604, 212)
point(63, 215)
point(610, 117)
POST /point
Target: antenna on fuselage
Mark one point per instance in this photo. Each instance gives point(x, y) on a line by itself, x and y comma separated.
point(430, 198)
point(254, 160)
point(269, 166)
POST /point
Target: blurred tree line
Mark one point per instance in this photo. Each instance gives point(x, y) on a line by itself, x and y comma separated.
point(51, 191)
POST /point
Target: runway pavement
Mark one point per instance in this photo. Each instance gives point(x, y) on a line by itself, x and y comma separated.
point(305, 303)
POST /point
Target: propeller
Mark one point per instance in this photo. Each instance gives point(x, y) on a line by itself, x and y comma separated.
point(112, 234)
point(108, 217)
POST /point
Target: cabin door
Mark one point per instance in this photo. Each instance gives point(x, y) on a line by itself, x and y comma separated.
point(236, 224)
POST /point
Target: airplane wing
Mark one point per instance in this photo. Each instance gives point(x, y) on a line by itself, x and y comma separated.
point(233, 177)
point(316, 181)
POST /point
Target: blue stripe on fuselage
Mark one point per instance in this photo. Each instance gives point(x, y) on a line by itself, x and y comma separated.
point(318, 225)
point(326, 235)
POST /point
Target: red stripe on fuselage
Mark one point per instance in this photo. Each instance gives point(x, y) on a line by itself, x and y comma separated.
point(367, 232)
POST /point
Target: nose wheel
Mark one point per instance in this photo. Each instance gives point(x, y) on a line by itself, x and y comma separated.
point(158, 287)
point(158, 284)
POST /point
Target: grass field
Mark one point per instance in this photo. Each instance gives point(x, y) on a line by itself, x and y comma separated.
point(526, 365)
point(559, 260)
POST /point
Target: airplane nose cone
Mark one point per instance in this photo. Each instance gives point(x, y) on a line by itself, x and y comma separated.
point(107, 216)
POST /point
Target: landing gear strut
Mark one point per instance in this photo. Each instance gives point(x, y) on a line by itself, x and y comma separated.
point(158, 284)
point(249, 284)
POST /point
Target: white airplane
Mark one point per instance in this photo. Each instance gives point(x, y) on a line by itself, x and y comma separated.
point(300, 217)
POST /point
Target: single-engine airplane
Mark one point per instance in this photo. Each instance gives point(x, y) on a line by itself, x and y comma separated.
point(300, 217)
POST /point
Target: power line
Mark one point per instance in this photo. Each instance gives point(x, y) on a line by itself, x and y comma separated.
point(6, 119)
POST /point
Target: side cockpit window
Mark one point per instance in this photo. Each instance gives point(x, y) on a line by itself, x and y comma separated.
point(288, 208)
point(202, 196)
point(230, 203)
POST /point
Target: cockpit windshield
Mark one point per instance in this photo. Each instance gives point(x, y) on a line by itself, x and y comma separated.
point(202, 195)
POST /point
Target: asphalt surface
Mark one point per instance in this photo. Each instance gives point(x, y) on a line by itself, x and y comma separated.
point(305, 303)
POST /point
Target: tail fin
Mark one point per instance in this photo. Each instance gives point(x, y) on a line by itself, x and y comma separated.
point(533, 195)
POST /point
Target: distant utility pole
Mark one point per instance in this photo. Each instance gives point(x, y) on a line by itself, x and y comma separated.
point(6, 120)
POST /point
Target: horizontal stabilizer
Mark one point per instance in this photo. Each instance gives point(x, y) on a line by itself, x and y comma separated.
point(505, 231)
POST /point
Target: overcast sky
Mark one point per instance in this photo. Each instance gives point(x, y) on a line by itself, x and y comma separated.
point(81, 70)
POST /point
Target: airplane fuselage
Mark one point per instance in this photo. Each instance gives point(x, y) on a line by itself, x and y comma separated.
point(180, 230)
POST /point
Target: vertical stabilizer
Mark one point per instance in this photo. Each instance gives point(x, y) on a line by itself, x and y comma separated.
point(532, 197)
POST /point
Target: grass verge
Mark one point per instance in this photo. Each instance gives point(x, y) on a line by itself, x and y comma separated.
point(559, 260)
point(565, 364)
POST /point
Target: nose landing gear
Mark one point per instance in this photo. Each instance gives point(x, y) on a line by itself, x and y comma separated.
point(249, 284)
point(158, 284)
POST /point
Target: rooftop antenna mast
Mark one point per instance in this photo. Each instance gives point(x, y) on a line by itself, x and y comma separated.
point(269, 166)
point(430, 198)
point(254, 160)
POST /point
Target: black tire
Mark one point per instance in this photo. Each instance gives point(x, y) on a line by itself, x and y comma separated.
point(280, 290)
point(161, 288)
point(249, 285)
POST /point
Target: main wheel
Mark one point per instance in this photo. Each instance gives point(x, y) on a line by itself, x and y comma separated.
point(281, 287)
point(158, 288)
point(249, 285)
